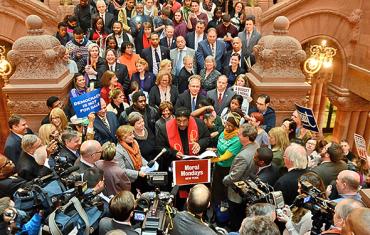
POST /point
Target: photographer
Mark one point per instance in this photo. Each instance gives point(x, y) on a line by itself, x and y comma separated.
point(9, 182)
point(190, 222)
point(121, 208)
point(299, 219)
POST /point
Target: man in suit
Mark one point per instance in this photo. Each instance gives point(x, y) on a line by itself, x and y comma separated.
point(120, 70)
point(211, 46)
point(242, 168)
point(221, 95)
point(236, 49)
point(71, 142)
point(249, 36)
point(105, 125)
point(90, 153)
point(108, 18)
point(190, 99)
point(182, 80)
point(18, 127)
point(168, 41)
point(27, 167)
point(267, 171)
point(136, 22)
point(177, 55)
point(121, 208)
point(155, 53)
point(194, 37)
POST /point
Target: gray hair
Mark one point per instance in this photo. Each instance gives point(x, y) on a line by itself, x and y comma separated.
point(297, 155)
point(211, 58)
point(346, 206)
point(69, 135)
point(28, 141)
point(188, 57)
point(249, 131)
point(134, 117)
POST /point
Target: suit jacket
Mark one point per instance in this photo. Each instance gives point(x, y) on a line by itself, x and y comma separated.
point(125, 162)
point(12, 148)
point(68, 154)
point(155, 97)
point(242, 168)
point(270, 174)
point(101, 132)
point(108, 21)
point(226, 99)
point(174, 55)
point(204, 50)
point(164, 43)
point(108, 224)
point(190, 39)
point(122, 76)
point(181, 81)
point(83, 166)
point(146, 54)
point(227, 58)
point(184, 100)
point(28, 169)
point(149, 80)
point(255, 37)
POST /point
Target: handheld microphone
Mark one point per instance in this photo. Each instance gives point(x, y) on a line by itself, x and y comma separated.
point(152, 162)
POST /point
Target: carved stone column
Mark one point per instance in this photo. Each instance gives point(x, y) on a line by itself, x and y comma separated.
point(39, 73)
point(353, 114)
point(277, 71)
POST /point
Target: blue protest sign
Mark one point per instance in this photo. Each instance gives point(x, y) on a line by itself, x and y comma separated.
point(86, 103)
point(307, 118)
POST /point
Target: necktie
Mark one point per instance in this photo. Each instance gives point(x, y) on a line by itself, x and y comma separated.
point(219, 98)
point(248, 38)
point(157, 60)
point(193, 104)
point(105, 122)
point(213, 50)
point(111, 68)
point(179, 63)
point(169, 43)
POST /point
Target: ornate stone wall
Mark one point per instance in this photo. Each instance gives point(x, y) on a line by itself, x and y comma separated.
point(39, 73)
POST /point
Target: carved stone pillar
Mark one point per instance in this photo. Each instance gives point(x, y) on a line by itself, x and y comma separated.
point(39, 73)
point(353, 114)
point(277, 71)
point(257, 12)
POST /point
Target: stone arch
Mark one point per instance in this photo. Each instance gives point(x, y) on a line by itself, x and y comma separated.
point(340, 32)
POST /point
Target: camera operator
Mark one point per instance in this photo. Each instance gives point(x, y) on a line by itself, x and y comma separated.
point(90, 153)
point(190, 222)
point(262, 209)
point(27, 167)
point(121, 207)
point(71, 142)
point(14, 221)
point(298, 219)
point(261, 225)
point(9, 182)
point(357, 222)
point(342, 210)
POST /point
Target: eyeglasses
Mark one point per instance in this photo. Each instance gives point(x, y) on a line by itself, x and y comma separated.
point(98, 152)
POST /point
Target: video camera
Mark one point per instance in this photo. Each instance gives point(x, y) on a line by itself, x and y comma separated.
point(253, 191)
point(322, 209)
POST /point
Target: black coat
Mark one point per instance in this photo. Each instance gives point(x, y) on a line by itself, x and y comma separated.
point(12, 148)
point(181, 81)
point(122, 76)
point(68, 154)
point(164, 42)
point(28, 169)
point(190, 39)
point(184, 100)
point(108, 23)
point(269, 174)
point(155, 97)
point(288, 185)
point(150, 115)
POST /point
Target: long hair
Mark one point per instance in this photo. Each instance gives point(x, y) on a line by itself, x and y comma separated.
point(281, 138)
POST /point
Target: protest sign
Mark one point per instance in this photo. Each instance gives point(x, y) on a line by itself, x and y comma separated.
point(191, 171)
point(360, 146)
point(307, 118)
point(245, 92)
point(86, 103)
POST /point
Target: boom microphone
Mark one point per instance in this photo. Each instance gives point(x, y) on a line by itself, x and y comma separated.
point(152, 162)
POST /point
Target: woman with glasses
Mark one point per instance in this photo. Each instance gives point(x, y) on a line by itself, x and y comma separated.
point(59, 119)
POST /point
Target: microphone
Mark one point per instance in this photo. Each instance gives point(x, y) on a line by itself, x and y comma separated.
point(152, 162)
point(70, 170)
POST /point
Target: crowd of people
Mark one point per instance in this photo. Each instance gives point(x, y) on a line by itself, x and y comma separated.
point(167, 73)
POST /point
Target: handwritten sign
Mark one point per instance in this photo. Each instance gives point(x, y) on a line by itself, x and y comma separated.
point(360, 146)
point(245, 92)
point(86, 103)
point(307, 118)
point(191, 171)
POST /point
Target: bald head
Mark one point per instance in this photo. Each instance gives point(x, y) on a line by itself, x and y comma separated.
point(348, 182)
point(357, 222)
point(198, 200)
point(91, 151)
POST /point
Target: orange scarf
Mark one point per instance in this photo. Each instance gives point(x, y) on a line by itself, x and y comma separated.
point(134, 153)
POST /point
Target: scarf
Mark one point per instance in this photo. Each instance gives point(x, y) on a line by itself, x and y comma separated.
point(134, 153)
point(174, 136)
point(229, 135)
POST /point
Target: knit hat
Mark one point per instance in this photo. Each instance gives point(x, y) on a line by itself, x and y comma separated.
point(234, 118)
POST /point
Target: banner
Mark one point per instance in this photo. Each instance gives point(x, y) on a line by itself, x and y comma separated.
point(360, 146)
point(86, 103)
point(191, 171)
point(307, 118)
point(245, 92)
